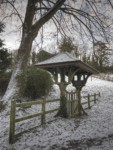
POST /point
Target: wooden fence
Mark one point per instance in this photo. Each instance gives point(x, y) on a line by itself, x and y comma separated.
point(14, 120)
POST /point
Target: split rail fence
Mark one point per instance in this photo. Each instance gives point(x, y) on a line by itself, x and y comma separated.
point(14, 120)
point(14, 105)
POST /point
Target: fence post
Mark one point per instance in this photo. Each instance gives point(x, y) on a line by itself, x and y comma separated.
point(43, 112)
point(95, 98)
point(99, 94)
point(89, 101)
point(12, 122)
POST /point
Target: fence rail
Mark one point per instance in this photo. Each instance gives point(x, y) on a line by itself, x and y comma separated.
point(14, 120)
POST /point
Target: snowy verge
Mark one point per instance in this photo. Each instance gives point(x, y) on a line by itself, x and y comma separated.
point(93, 132)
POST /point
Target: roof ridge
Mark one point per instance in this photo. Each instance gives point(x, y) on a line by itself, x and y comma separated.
point(70, 55)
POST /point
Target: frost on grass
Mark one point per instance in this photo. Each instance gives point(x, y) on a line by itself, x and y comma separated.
point(92, 132)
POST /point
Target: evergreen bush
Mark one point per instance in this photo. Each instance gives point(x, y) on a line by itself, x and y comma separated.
point(35, 83)
point(4, 80)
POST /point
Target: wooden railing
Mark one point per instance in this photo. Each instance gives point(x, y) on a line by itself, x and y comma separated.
point(14, 120)
point(89, 100)
point(71, 99)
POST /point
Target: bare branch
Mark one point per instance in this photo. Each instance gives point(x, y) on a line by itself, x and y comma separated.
point(110, 3)
point(12, 4)
point(47, 16)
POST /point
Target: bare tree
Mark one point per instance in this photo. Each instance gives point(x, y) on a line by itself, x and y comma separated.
point(82, 16)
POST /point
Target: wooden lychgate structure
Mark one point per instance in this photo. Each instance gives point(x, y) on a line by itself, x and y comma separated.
point(68, 69)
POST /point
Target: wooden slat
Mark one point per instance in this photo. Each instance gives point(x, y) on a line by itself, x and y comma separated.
point(28, 117)
point(84, 103)
point(12, 122)
point(27, 104)
point(43, 112)
point(89, 101)
point(55, 100)
point(50, 111)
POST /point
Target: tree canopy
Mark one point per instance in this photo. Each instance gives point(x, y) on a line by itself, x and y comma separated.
point(101, 54)
point(68, 45)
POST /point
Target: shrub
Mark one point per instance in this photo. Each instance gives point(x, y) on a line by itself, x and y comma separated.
point(43, 55)
point(4, 80)
point(35, 83)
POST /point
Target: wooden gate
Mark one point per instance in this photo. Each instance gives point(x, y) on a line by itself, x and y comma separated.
point(72, 103)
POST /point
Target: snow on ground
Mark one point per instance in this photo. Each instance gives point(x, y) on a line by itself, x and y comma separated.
point(105, 76)
point(92, 132)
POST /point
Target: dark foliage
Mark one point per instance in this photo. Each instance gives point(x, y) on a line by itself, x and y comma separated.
point(5, 60)
point(35, 83)
point(4, 80)
point(67, 45)
point(43, 55)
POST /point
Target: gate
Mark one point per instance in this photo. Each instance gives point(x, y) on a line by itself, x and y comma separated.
point(72, 103)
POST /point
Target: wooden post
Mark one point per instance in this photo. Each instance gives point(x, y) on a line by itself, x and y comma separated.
point(89, 101)
point(79, 100)
point(72, 103)
point(70, 113)
point(43, 112)
point(95, 98)
point(12, 122)
point(56, 77)
point(99, 94)
point(68, 105)
point(63, 100)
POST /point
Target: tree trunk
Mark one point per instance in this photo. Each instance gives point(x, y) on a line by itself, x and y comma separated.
point(12, 92)
point(63, 102)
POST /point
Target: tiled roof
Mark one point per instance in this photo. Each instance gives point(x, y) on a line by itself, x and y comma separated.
point(62, 57)
point(64, 60)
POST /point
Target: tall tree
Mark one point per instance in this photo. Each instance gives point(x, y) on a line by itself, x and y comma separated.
point(67, 15)
point(67, 45)
point(101, 54)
